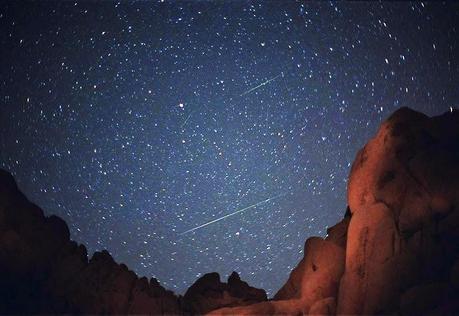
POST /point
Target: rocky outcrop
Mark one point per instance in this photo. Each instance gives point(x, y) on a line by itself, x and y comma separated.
point(43, 271)
point(403, 194)
point(313, 285)
point(397, 248)
point(323, 264)
point(396, 251)
point(209, 293)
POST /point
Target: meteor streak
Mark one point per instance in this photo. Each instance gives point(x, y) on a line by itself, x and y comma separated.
point(261, 84)
point(186, 120)
point(231, 214)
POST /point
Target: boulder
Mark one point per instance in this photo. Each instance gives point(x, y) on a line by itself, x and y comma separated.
point(209, 293)
point(398, 244)
point(402, 184)
point(317, 276)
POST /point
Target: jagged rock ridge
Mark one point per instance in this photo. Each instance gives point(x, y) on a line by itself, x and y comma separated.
point(43, 271)
point(396, 251)
point(208, 293)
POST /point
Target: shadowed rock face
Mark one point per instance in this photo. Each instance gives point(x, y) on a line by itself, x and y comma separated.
point(403, 237)
point(396, 251)
point(208, 293)
point(43, 271)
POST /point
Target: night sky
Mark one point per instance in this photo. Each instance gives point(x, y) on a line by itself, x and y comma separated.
point(138, 122)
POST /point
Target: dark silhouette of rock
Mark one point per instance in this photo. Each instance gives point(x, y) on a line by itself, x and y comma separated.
point(396, 251)
point(43, 271)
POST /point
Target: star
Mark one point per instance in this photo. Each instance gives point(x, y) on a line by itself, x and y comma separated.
point(136, 122)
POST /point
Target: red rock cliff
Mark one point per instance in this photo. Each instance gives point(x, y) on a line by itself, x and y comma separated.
point(397, 248)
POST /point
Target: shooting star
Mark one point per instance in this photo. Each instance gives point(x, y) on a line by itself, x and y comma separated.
point(186, 120)
point(231, 214)
point(262, 84)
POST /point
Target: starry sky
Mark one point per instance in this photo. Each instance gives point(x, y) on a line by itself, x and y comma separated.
point(139, 122)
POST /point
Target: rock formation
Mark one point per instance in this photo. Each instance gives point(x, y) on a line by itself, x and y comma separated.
point(397, 248)
point(396, 251)
point(403, 194)
point(43, 271)
point(208, 293)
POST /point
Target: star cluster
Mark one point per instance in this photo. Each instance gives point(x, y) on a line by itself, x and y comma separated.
point(137, 122)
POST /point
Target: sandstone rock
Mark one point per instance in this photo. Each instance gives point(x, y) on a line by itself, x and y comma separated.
point(209, 293)
point(239, 288)
point(317, 276)
point(338, 233)
point(326, 306)
point(401, 183)
point(286, 307)
point(373, 242)
point(402, 241)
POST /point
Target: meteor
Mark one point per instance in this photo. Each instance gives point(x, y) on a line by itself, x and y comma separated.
point(186, 120)
point(231, 214)
point(262, 84)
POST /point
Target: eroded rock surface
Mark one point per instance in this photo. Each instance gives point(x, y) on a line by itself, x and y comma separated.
point(209, 293)
point(397, 249)
point(403, 194)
